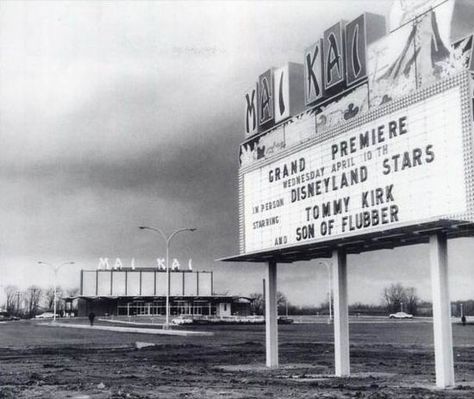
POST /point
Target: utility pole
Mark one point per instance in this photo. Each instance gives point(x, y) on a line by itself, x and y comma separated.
point(167, 239)
point(18, 302)
point(55, 269)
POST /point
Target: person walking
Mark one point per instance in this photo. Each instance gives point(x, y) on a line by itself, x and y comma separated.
point(91, 318)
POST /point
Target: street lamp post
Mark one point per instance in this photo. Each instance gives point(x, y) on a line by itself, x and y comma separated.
point(167, 240)
point(55, 268)
point(328, 265)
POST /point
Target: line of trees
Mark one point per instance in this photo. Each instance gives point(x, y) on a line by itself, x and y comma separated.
point(395, 298)
point(34, 300)
point(257, 306)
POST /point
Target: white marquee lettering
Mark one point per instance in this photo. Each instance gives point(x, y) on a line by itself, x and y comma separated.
point(118, 264)
point(161, 263)
point(103, 264)
point(175, 265)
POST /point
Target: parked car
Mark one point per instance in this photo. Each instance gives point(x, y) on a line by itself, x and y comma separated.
point(284, 320)
point(401, 315)
point(45, 315)
point(178, 321)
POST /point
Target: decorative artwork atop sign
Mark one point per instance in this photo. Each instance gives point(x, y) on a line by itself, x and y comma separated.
point(262, 146)
point(455, 16)
point(432, 45)
point(462, 54)
point(405, 11)
point(347, 107)
point(391, 64)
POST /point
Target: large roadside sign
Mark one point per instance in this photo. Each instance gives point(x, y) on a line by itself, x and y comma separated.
point(402, 164)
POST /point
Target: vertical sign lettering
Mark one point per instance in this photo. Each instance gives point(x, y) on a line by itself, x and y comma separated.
point(281, 89)
point(251, 125)
point(355, 50)
point(334, 73)
point(265, 97)
point(313, 73)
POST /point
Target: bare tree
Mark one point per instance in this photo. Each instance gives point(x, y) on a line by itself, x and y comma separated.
point(257, 305)
point(282, 300)
point(12, 304)
point(396, 294)
point(412, 300)
point(32, 300)
point(258, 302)
point(49, 297)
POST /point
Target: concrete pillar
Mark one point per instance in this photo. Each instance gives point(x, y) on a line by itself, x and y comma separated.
point(341, 313)
point(443, 335)
point(271, 324)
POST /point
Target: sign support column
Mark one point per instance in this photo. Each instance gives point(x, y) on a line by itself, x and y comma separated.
point(443, 335)
point(271, 314)
point(341, 314)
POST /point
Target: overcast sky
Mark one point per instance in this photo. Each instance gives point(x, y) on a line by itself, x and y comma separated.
point(117, 114)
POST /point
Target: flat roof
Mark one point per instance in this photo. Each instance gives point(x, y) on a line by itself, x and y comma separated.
point(163, 297)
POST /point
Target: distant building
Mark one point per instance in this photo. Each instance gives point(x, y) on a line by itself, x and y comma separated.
point(142, 292)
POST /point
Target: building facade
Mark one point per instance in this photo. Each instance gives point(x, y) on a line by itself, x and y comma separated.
point(142, 292)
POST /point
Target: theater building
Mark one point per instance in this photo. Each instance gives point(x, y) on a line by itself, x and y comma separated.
point(142, 292)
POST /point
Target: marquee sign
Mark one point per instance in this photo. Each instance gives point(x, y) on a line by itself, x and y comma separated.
point(401, 165)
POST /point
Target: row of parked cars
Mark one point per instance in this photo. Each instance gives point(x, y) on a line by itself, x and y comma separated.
point(195, 319)
point(4, 316)
point(7, 317)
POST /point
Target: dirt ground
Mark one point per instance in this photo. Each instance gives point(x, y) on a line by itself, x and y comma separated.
point(388, 360)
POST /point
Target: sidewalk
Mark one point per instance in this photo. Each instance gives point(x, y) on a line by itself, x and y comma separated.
point(134, 330)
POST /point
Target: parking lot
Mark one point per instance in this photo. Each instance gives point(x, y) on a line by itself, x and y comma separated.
point(388, 359)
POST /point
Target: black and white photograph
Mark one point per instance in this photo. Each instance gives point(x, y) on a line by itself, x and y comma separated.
point(237, 199)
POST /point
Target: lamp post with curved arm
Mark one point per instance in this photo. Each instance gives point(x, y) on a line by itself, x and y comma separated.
point(328, 264)
point(56, 269)
point(167, 240)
